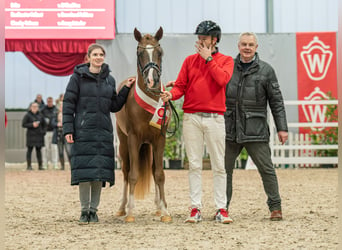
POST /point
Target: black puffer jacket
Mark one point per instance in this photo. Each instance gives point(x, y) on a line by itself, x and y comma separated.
point(34, 136)
point(49, 113)
point(87, 104)
point(247, 95)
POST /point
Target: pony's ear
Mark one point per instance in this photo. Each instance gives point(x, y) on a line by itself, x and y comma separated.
point(137, 34)
point(159, 34)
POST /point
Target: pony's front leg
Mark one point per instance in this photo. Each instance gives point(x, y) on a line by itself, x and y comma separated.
point(162, 211)
point(130, 215)
point(122, 208)
point(165, 215)
point(157, 200)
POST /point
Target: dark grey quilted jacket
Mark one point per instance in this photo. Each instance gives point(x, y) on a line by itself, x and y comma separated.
point(247, 95)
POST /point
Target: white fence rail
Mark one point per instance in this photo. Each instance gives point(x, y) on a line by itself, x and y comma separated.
point(299, 151)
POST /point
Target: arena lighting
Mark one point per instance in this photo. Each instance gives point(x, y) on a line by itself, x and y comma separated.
point(59, 19)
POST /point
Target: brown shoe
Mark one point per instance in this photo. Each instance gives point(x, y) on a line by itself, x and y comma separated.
point(276, 215)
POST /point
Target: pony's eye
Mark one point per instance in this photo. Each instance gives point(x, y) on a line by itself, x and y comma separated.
point(140, 52)
point(159, 52)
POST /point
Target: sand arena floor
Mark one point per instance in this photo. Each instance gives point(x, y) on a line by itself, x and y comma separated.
point(42, 211)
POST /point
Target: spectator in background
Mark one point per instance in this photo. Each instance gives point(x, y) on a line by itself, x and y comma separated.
point(40, 101)
point(254, 85)
point(58, 137)
point(50, 150)
point(35, 124)
point(59, 101)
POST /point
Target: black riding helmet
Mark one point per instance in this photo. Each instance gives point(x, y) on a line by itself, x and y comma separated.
point(209, 28)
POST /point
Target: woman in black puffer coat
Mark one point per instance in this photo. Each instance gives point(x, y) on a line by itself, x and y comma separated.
point(35, 124)
point(89, 98)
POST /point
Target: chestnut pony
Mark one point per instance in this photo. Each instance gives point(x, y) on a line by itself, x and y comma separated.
point(142, 145)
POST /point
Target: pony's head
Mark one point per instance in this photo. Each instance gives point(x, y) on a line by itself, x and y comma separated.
point(149, 57)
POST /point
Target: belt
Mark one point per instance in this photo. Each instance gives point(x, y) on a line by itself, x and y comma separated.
point(202, 114)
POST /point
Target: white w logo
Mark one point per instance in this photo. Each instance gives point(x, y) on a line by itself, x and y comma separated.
point(315, 56)
point(317, 113)
point(316, 61)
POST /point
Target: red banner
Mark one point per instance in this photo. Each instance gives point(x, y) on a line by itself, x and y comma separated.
point(55, 19)
point(316, 74)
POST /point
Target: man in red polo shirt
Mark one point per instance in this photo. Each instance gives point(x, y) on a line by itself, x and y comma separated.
point(202, 81)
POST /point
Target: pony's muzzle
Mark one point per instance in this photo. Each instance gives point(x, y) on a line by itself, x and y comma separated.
point(153, 79)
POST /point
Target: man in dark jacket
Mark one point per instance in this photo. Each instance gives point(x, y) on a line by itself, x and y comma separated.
point(252, 86)
point(40, 101)
point(49, 112)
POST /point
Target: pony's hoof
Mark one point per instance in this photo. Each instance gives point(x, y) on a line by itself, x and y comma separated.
point(158, 213)
point(166, 218)
point(120, 213)
point(129, 218)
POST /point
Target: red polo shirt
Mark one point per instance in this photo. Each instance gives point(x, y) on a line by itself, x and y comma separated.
point(203, 85)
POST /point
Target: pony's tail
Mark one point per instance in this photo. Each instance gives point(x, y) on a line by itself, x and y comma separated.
point(145, 172)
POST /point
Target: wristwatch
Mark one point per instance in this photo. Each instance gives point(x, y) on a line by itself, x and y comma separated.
point(208, 59)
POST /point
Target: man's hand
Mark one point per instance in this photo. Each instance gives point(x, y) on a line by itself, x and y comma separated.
point(170, 84)
point(282, 135)
point(203, 50)
point(166, 96)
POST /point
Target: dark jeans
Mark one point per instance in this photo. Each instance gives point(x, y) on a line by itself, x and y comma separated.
point(61, 144)
point(261, 156)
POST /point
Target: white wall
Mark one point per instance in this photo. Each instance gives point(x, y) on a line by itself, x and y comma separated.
point(23, 81)
point(305, 15)
point(182, 16)
point(234, 16)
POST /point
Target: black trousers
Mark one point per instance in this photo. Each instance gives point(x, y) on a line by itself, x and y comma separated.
point(260, 153)
point(38, 154)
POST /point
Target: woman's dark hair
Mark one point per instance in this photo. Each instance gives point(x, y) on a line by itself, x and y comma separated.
point(95, 46)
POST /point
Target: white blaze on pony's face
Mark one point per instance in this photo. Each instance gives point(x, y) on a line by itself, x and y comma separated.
point(149, 49)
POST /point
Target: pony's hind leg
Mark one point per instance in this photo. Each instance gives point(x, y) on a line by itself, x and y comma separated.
point(124, 155)
point(159, 179)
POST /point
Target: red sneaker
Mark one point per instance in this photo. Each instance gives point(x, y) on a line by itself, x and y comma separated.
point(195, 216)
point(222, 216)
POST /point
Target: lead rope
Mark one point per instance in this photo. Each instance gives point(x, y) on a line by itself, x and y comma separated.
point(175, 116)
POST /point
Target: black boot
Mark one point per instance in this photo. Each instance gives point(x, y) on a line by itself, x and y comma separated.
point(62, 163)
point(93, 217)
point(39, 158)
point(40, 165)
point(84, 219)
point(29, 167)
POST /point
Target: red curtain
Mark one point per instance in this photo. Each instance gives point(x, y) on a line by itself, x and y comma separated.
point(58, 64)
point(55, 57)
